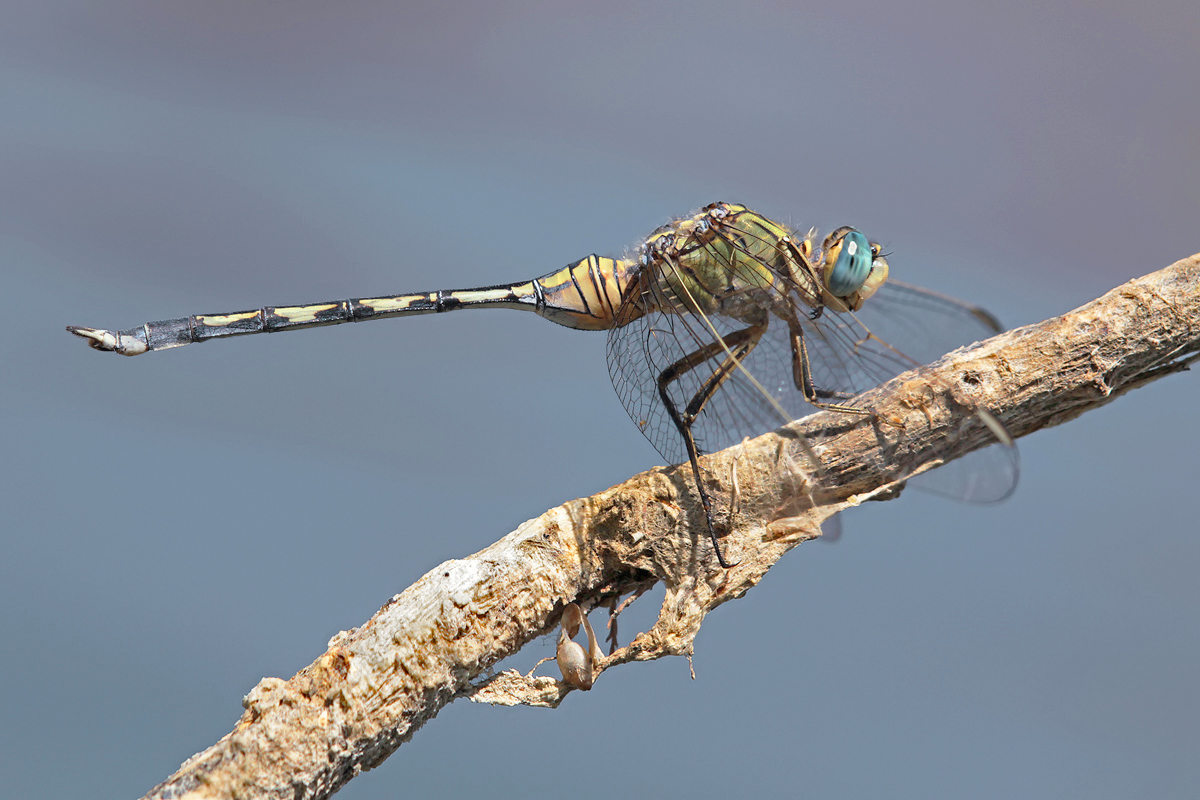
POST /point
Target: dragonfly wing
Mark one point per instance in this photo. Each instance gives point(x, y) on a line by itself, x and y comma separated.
point(929, 325)
point(980, 477)
point(640, 352)
point(926, 324)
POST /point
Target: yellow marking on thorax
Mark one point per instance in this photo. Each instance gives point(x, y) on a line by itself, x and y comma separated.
point(217, 320)
point(303, 313)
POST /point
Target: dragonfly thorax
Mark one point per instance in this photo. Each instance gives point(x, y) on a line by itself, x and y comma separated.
point(724, 260)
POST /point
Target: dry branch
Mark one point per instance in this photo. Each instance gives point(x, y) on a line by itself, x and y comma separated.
point(376, 684)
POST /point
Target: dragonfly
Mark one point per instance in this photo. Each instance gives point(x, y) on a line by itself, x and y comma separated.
point(721, 325)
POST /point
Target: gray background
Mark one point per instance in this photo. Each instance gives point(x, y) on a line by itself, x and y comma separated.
point(176, 527)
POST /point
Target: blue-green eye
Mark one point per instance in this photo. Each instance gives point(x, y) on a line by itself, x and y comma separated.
point(853, 265)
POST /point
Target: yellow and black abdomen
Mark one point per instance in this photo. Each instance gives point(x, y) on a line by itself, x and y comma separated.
point(584, 295)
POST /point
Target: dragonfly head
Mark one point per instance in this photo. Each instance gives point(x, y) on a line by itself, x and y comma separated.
point(853, 269)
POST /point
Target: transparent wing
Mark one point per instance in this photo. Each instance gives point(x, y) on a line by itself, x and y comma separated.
point(926, 323)
point(899, 328)
point(929, 325)
point(640, 352)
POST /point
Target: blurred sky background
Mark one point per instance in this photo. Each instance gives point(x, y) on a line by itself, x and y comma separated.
point(177, 526)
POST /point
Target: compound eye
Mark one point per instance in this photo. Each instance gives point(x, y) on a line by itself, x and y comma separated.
point(854, 258)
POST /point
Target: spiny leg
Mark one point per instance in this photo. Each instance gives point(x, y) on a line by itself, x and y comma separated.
point(735, 347)
point(802, 375)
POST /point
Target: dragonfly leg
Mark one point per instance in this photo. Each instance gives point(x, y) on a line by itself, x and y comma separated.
point(802, 376)
point(735, 347)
